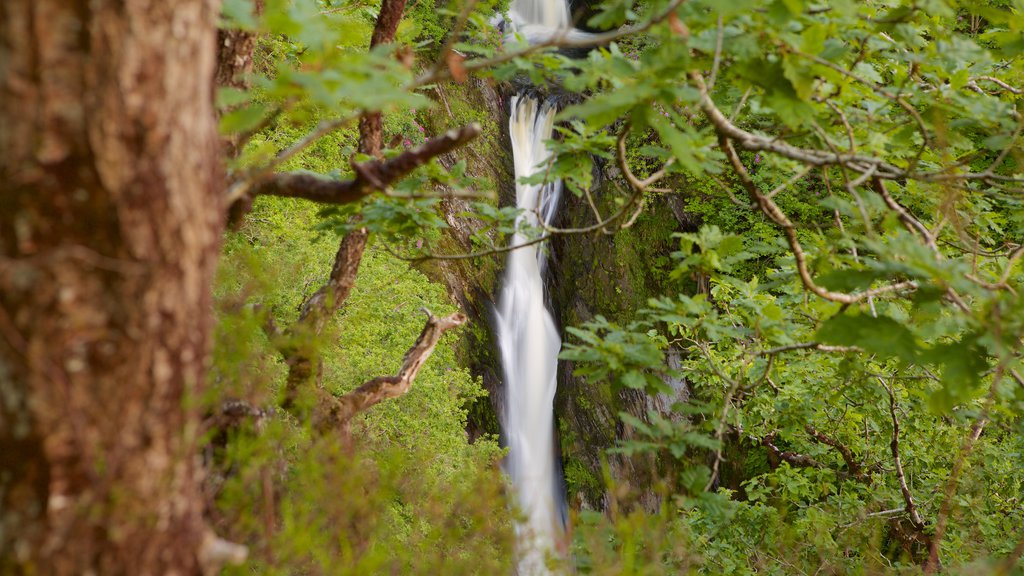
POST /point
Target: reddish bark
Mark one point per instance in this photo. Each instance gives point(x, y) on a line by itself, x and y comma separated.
point(109, 231)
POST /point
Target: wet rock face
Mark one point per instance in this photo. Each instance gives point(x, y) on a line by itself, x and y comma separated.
point(473, 283)
point(611, 275)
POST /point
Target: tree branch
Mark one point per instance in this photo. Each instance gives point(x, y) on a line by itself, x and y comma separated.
point(318, 309)
point(894, 447)
point(856, 162)
point(343, 409)
point(854, 467)
point(370, 176)
point(792, 458)
point(772, 210)
point(807, 346)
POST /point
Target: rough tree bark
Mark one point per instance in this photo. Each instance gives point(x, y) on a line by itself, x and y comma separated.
point(235, 50)
point(112, 212)
point(234, 54)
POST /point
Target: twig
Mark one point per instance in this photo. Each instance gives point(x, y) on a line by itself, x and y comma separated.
point(772, 211)
point(807, 346)
point(857, 162)
point(716, 62)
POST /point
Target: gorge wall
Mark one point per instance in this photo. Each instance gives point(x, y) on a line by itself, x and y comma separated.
point(589, 275)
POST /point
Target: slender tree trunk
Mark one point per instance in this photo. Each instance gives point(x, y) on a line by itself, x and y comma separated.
point(110, 189)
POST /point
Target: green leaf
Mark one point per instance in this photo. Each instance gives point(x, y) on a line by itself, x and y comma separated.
point(883, 335)
point(962, 364)
point(243, 119)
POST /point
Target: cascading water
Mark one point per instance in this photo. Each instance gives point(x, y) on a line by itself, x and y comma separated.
point(529, 344)
point(526, 332)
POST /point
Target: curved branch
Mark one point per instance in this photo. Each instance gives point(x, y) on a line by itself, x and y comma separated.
point(856, 162)
point(794, 459)
point(854, 468)
point(374, 391)
point(894, 447)
point(775, 213)
point(370, 176)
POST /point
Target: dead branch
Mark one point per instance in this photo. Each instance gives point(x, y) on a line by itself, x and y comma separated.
point(375, 175)
point(343, 409)
point(318, 309)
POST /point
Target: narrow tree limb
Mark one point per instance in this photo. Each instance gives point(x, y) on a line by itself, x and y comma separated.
point(370, 176)
point(854, 468)
point(808, 346)
point(909, 221)
point(371, 125)
point(859, 163)
point(792, 458)
point(317, 310)
point(772, 210)
point(894, 447)
point(382, 388)
point(374, 175)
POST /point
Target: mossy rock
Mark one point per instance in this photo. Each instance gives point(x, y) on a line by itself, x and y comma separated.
point(614, 276)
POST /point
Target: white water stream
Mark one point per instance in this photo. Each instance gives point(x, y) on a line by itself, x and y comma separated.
point(526, 332)
point(529, 344)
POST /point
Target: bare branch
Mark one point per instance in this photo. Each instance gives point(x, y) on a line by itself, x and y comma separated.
point(343, 409)
point(317, 310)
point(796, 178)
point(807, 346)
point(854, 468)
point(717, 60)
point(909, 221)
point(857, 162)
point(792, 458)
point(894, 446)
point(973, 83)
point(370, 176)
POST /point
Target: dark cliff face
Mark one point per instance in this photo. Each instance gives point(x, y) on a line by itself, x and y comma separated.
point(474, 283)
point(611, 275)
point(588, 274)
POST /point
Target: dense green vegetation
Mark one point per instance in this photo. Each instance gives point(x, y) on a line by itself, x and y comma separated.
point(845, 297)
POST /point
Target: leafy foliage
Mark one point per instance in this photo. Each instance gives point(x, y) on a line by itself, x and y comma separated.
point(852, 356)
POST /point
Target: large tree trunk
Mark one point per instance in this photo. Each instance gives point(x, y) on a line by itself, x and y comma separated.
point(110, 216)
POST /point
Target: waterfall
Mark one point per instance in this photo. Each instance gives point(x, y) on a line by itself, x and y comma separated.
point(553, 14)
point(529, 343)
point(526, 332)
